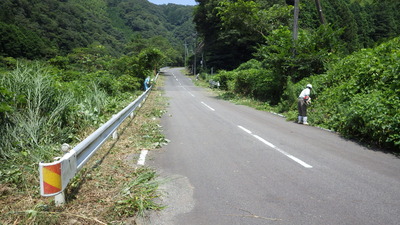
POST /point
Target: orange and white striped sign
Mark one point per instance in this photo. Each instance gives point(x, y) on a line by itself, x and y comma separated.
point(55, 176)
point(50, 179)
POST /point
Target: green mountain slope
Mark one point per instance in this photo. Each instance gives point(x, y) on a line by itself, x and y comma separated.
point(45, 28)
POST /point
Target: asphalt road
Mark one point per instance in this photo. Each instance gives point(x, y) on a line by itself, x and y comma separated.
point(229, 164)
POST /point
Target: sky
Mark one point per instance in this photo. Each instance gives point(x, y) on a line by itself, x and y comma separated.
point(179, 2)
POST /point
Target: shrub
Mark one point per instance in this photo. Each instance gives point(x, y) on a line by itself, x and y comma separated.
point(256, 83)
point(128, 83)
point(224, 77)
point(359, 96)
point(251, 80)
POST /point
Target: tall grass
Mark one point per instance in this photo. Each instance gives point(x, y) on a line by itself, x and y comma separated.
point(91, 103)
point(49, 110)
point(49, 114)
point(37, 119)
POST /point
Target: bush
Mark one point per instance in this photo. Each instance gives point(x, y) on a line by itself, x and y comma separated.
point(256, 83)
point(128, 83)
point(251, 80)
point(359, 96)
point(224, 77)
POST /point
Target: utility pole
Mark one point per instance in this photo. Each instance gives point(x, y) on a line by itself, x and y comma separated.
point(296, 19)
point(320, 14)
point(186, 53)
point(194, 64)
point(296, 24)
point(195, 54)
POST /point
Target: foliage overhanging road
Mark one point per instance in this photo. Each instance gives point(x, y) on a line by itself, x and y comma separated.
point(230, 164)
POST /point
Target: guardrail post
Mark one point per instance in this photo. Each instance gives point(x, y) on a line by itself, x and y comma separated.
point(60, 199)
point(115, 135)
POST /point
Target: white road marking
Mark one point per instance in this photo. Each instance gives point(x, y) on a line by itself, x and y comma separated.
point(276, 148)
point(247, 131)
point(188, 91)
point(208, 106)
point(142, 157)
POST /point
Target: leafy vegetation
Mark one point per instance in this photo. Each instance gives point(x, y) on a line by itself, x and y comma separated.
point(45, 29)
point(231, 31)
point(355, 90)
point(92, 55)
point(108, 190)
point(66, 67)
point(359, 96)
point(47, 104)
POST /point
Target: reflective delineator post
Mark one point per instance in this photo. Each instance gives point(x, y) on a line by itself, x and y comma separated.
point(50, 178)
point(55, 176)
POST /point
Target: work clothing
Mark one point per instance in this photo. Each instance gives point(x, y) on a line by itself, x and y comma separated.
point(146, 83)
point(305, 92)
point(302, 104)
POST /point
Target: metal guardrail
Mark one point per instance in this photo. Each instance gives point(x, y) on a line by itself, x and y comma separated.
point(55, 176)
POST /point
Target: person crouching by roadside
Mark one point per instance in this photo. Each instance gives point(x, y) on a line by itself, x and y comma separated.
point(146, 83)
point(302, 102)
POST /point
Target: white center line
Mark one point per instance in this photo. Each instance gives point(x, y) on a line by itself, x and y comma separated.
point(188, 91)
point(208, 106)
point(247, 131)
point(276, 148)
point(142, 157)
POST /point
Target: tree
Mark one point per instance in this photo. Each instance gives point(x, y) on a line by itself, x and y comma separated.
point(150, 59)
point(386, 19)
point(231, 30)
point(37, 29)
point(17, 41)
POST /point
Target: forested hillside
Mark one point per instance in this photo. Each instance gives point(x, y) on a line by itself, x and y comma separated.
point(105, 47)
point(36, 29)
point(232, 30)
point(348, 50)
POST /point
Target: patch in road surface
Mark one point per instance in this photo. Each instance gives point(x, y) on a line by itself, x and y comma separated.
point(176, 195)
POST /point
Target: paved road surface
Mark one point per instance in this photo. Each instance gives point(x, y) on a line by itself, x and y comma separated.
point(229, 164)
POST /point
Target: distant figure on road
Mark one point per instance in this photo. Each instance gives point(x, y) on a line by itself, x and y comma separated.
point(146, 83)
point(302, 102)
